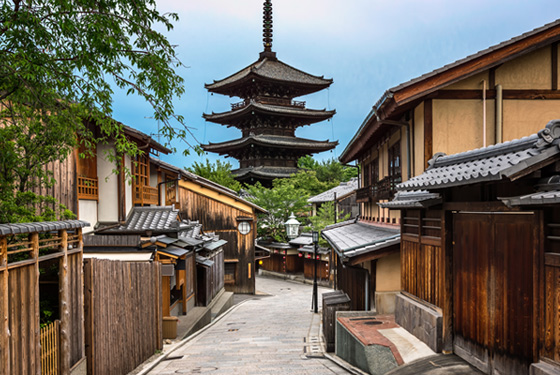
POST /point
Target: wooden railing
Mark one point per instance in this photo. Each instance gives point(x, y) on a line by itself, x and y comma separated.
point(383, 189)
point(145, 195)
point(50, 349)
point(88, 188)
point(271, 101)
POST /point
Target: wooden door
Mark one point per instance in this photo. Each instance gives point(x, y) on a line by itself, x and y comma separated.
point(494, 256)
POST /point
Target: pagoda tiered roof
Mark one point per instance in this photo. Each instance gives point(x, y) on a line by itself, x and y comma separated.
point(263, 173)
point(271, 141)
point(269, 70)
point(296, 113)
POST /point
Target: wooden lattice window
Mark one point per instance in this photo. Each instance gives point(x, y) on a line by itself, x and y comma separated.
point(395, 161)
point(143, 193)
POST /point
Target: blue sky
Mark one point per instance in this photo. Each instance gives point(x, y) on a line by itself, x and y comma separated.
point(366, 46)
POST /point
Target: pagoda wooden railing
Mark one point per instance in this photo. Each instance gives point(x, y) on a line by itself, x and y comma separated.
point(272, 101)
point(382, 189)
point(145, 195)
point(88, 188)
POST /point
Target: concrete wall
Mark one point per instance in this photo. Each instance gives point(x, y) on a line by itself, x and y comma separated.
point(88, 212)
point(108, 188)
point(387, 283)
point(526, 117)
point(423, 321)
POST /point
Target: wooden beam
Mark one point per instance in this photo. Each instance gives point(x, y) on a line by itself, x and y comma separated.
point(64, 296)
point(554, 66)
point(479, 207)
point(5, 329)
point(428, 131)
point(374, 255)
point(492, 78)
point(466, 94)
point(35, 356)
point(447, 308)
point(476, 65)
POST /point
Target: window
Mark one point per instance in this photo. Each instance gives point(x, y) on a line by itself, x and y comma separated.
point(395, 161)
point(371, 172)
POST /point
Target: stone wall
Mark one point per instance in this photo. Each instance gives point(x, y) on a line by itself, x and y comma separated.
point(423, 321)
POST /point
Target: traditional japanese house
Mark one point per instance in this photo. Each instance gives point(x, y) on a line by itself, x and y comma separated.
point(484, 284)
point(499, 94)
point(268, 116)
point(343, 196)
point(221, 211)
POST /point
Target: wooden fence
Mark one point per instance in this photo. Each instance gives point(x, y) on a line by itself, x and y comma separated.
point(20, 256)
point(123, 314)
point(50, 349)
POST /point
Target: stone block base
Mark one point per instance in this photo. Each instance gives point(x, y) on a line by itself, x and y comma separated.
point(544, 368)
point(385, 302)
point(421, 320)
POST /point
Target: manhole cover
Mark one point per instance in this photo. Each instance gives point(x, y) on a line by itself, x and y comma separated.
point(197, 370)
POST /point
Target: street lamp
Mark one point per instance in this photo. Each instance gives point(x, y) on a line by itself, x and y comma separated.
point(315, 236)
point(292, 227)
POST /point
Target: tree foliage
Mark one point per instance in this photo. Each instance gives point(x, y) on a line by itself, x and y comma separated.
point(324, 217)
point(330, 171)
point(219, 172)
point(59, 60)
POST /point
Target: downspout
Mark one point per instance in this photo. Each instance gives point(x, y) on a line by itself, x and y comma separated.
point(367, 291)
point(499, 112)
point(483, 113)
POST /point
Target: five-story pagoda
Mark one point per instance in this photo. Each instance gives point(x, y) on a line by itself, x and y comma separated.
point(268, 116)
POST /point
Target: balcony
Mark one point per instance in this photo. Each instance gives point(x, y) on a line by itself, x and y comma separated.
point(382, 189)
point(144, 195)
point(88, 188)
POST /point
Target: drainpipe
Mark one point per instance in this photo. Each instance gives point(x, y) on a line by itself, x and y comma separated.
point(367, 291)
point(483, 113)
point(499, 113)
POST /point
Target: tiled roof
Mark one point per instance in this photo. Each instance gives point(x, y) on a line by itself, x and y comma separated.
point(44, 226)
point(302, 240)
point(311, 249)
point(271, 69)
point(538, 198)
point(265, 172)
point(490, 163)
point(151, 218)
point(340, 190)
point(310, 115)
point(412, 199)
point(275, 141)
point(352, 238)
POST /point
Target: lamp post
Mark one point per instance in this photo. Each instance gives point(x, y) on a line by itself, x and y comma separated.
point(315, 236)
point(292, 227)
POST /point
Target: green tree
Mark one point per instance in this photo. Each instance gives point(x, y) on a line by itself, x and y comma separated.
point(219, 172)
point(324, 217)
point(330, 171)
point(58, 61)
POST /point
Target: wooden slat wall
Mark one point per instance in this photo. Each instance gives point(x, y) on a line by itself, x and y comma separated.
point(65, 189)
point(552, 312)
point(221, 218)
point(76, 307)
point(4, 310)
point(119, 335)
point(24, 325)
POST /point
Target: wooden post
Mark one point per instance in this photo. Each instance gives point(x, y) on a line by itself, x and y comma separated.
point(36, 355)
point(5, 329)
point(81, 320)
point(63, 298)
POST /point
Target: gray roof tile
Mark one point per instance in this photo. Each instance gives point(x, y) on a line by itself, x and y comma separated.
point(412, 199)
point(340, 190)
point(490, 163)
point(45, 226)
point(275, 141)
point(354, 238)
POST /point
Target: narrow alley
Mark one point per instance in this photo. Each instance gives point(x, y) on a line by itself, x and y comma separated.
point(273, 333)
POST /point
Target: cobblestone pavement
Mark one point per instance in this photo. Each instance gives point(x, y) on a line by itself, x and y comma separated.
point(276, 334)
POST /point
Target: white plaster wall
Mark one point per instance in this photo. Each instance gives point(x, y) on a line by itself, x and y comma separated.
point(108, 186)
point(88, 212)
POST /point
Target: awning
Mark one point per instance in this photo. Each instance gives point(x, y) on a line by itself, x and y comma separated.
point(213, 245)
point(173, 251)
point(204, 261)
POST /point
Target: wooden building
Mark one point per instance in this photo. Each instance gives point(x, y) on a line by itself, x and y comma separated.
point(343, 197)
point(221, 211)
point(499, 94)
point(268, 116)
point(480, 254)
point(25, 250)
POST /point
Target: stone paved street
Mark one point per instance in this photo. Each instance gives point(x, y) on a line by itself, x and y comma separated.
point(266, 335)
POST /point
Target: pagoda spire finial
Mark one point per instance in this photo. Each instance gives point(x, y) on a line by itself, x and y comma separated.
point(267, 26)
